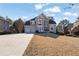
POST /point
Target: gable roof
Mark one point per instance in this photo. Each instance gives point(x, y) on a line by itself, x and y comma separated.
point(51, 20)
point(27, 23)
point(33, 19)
point(41, 16)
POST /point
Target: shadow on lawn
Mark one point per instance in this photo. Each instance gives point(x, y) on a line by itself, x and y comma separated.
point(48, 35)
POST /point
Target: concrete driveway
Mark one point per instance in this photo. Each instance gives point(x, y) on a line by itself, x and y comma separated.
point(14, 44)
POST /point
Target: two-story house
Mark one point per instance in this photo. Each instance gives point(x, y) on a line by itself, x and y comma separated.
point(41, 23)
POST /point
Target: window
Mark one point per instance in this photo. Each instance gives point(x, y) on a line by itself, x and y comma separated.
point(40, 21)
point(39, 24)
point(51, 28)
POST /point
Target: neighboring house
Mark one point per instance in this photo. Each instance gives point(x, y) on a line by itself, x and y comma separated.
point(68, 28)
point(41, 23)
point(60, 29)
point(75, 28)
point(4, 26)
point(61, 26)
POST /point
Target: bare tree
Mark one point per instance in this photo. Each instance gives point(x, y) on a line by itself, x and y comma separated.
point(19, 25)
point(9, 20)
point(61, 26)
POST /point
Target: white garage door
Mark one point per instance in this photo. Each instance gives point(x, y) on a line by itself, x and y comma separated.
point(32, 29)
point(27, 29)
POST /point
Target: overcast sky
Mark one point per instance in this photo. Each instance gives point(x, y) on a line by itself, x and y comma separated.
point(30, 10)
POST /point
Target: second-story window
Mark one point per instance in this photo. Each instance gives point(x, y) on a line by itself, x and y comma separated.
point(40, 21)
point(51, 28)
